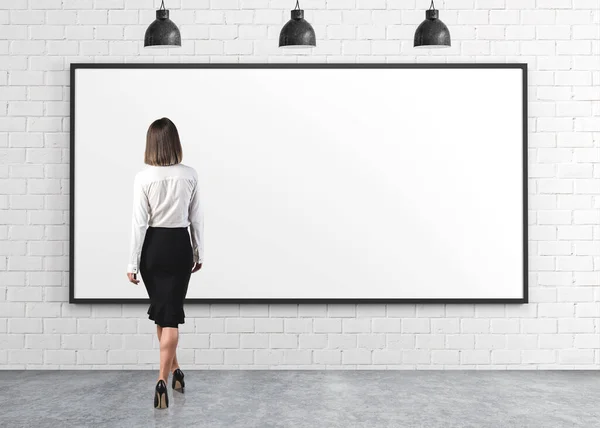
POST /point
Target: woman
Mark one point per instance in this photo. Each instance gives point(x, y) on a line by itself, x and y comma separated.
point(166, 201)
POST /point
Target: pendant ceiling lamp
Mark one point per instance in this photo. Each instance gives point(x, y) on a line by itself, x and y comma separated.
point(297, 32)
point(162, 33)
point(432, 33)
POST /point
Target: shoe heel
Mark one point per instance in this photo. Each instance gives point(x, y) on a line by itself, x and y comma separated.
point(161, 400)
point(177, 386)
point(178, 383)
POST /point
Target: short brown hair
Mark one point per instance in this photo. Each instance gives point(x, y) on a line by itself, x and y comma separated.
point(163, 147)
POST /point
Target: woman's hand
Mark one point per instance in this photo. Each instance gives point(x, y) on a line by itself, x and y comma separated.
point(197, 267)
point(132, 278)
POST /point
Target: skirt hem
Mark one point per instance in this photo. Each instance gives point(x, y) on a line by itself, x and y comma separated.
point(164, 316)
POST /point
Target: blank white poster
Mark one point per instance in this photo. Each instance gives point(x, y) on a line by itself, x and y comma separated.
point(317, 183)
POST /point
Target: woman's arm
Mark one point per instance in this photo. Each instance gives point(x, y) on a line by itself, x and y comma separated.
point(139, 224)
point(196, 216)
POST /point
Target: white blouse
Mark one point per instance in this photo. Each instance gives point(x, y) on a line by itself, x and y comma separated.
point(166, 196)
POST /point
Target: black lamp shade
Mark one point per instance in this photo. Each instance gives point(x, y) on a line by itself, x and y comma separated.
point(297, 32)
point(432, 32)
point(162, 32)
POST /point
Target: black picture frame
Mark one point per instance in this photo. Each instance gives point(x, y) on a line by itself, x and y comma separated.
point(523, 66)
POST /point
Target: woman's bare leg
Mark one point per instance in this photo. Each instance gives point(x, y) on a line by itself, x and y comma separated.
point(175, 363)
point(168, 345)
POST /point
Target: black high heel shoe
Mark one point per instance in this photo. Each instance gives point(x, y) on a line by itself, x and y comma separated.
point(161, 399)
point(178, 383)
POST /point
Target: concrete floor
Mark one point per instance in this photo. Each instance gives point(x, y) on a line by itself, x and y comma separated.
point(540, 399)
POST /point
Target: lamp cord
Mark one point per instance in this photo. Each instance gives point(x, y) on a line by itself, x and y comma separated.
point(431, 6)
point(162, 5)
point(298, 4)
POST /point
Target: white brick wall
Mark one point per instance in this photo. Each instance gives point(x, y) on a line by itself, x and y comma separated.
point(558, 39)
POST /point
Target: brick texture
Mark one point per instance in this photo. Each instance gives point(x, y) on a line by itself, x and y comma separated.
point(560, 328)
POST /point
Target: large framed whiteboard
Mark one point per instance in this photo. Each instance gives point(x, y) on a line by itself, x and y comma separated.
point(320, 182)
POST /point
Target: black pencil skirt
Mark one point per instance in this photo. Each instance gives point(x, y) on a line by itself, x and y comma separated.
point(166, 264)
